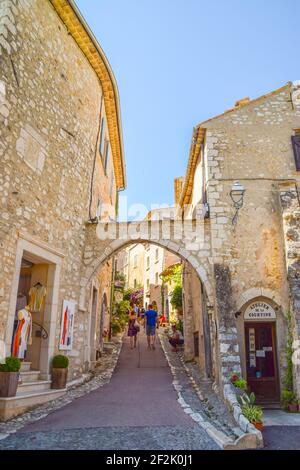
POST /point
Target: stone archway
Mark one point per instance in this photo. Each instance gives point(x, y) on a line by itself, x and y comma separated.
point(105, 240)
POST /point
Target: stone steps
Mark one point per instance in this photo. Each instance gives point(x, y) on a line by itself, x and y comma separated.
point(29, 376)
point(25, 366)
point(34, 387)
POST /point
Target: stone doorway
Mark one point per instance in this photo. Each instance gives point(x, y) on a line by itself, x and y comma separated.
point(34, 266)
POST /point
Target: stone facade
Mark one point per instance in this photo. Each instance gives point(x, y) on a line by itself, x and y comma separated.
point(52, 176)
point(253, 256)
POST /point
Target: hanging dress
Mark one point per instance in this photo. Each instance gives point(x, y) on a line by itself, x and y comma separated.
point(22, 337)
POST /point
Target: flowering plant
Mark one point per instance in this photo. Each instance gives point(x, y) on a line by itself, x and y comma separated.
point(234, 378)
point(137, 295)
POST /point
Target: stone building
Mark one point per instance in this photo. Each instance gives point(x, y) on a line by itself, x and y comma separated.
point(242, 181)
point(61, 165)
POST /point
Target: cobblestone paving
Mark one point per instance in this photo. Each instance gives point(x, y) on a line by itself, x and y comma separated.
point(154, 423)
point(282, 438)
point(197, 392)
point(101, 377)
point(113, 438)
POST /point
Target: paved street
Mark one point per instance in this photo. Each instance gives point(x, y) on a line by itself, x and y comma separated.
point(138, 409)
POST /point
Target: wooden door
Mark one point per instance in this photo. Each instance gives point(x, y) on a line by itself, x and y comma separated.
point(261, 361)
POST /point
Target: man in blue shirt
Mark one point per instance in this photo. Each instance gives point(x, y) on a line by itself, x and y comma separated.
point(151, 322)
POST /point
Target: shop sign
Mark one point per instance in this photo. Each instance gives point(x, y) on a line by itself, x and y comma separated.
point(260, 311)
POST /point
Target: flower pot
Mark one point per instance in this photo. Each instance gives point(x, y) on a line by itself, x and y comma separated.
point(259, 425)
point(59, 378)
point(293, 407)
point(8, 384)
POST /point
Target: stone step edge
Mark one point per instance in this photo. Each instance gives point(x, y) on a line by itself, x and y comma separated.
point(34, 382)
point(34, 394)
point(245, 441)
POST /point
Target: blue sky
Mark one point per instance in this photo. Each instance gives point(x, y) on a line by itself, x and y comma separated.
point(179, 62)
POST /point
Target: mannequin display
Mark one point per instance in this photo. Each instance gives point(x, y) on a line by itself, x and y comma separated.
point(21, 303)
point(23, 333)
point(37, 295)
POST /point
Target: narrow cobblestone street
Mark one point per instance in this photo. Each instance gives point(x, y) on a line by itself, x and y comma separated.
point(137, 410)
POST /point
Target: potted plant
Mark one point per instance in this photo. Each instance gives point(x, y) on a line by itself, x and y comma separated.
point(9, 376)
point(60, 365)
point(239, 384)
point(252, 412)
point(289, 401)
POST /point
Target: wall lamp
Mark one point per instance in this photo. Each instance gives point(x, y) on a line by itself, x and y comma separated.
point(237, 195)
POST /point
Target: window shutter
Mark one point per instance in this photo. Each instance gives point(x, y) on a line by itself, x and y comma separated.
point(296, 148)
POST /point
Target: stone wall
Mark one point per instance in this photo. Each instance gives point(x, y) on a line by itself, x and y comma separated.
point(50, 100)
point(291, 228)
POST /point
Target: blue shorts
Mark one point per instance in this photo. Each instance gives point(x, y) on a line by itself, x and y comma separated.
point(150, 330)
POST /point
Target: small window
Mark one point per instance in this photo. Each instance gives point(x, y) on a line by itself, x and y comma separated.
point(156, 278)
point(102, 137)
point(134, 283)
point(135, 261)
point(148, 284)
point(106, 154)
point(156, 254)
point(296, 149)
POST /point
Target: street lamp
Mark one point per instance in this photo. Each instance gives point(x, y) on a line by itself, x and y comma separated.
point(237, 195)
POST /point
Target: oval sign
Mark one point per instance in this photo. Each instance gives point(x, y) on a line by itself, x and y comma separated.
point(259, 311)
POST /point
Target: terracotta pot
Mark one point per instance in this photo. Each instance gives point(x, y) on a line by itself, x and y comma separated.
point(259, 425)
point(293, 407)
point(8, 384)
point(59, 378)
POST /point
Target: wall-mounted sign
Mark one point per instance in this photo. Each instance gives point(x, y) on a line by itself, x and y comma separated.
point(260, 311)
point(67, 326)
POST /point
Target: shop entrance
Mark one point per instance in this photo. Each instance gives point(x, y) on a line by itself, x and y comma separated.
point(29, 331)
point(261, 361)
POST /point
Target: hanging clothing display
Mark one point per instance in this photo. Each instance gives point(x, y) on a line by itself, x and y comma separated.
point(23, 334)
point(37, 295)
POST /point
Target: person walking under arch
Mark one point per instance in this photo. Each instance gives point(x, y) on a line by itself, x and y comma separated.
point(151, 323)
point(132, 329)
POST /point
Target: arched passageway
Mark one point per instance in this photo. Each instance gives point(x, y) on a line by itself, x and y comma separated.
point(198, 325)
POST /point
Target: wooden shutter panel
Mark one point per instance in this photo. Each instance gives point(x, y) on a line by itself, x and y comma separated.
point(296, 148)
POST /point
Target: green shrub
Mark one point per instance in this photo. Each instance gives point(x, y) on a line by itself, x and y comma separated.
point(176, 299)
point(12, 364)
point(60, 362)
point(115, 327)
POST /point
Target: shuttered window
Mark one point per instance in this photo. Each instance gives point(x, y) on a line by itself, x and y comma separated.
point(296, 148)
